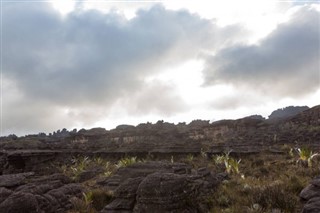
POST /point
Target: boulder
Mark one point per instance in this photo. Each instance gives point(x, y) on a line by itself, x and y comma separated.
point(4, 193)
point(163, 191)
point(312, 206)
point(142, 170)
point(125, 196)
point(50, 194)
point(311, 196)
point(20, 202)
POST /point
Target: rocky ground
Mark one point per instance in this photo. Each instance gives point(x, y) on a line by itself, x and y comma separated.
point(164, 167)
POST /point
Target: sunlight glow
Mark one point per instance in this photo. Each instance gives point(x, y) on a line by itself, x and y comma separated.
point(63, 6)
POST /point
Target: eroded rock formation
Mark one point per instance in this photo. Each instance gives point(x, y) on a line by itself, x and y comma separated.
point(29, 194)
point(168, 187)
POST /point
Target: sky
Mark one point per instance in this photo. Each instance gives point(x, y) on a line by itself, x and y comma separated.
point(84, 64)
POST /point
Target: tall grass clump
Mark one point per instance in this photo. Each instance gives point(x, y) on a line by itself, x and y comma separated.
point(126, 162)
point(306, 156)
point(231, 164)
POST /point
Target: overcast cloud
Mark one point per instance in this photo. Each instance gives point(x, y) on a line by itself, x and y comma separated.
point(65, 71)
point(285, 63)
point(92, 59)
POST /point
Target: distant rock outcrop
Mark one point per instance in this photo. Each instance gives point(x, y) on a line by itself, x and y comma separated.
point(251, 134)
point(287, 112)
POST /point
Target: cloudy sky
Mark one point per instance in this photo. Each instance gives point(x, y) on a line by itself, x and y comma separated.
point(73, 64)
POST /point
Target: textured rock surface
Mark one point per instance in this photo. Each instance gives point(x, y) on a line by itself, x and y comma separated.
point(13, 180)
point(163, 192)
point(142, 170)
point(45, 194)
point(169, 189)
point(125, 196)
point(311, 196)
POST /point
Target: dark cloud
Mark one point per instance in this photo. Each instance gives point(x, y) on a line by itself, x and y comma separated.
point(285, 63)
point(90, 56)
point(90, 60)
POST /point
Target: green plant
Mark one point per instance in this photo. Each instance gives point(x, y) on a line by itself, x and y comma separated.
point(107, 173)
point(83, 205)
point(305, 156)
point(126, 162)
point(291, 154)
point(231, 165)
point(234, 164)
point(81, 162)
point(87, 198)
point(98, 160)
point(190, 158)
point(203, 153)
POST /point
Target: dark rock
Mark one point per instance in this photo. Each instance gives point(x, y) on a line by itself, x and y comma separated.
point(13, 180)
point(28, 160)
point(125, 196)
point(54, 177)
point(142, 170)
point(222, 176)
point(4, 193)
point(20, 203)
point(204, 171)
point(311, 196)
point(316, 181)
point(163, 191)
point(49, 194)
point(287, 112)
point(309, 192)
point(312, 206)
point(87, 175)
